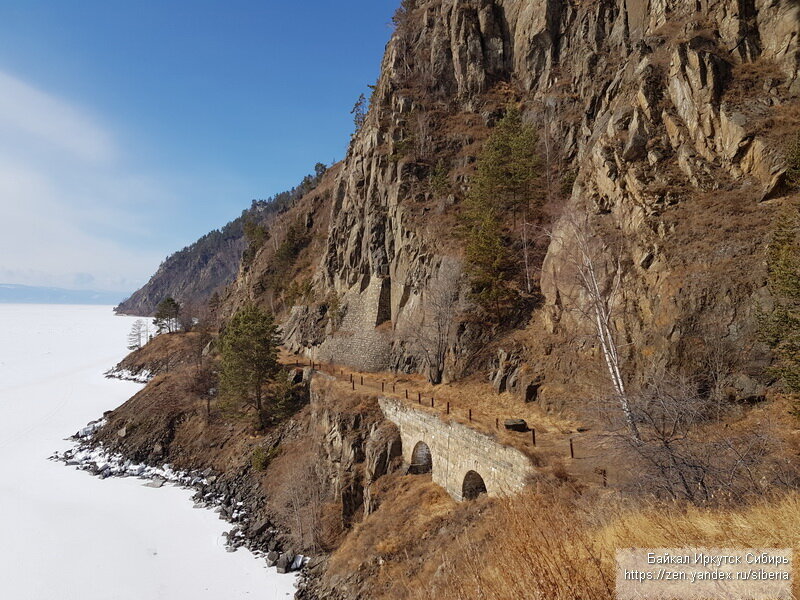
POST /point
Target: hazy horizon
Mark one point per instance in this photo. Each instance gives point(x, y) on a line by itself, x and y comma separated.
point(12, 293)
point(129, 131)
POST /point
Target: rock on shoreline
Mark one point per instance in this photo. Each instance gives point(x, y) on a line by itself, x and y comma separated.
point(261, 539)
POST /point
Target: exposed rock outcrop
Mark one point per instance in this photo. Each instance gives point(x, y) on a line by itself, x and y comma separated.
point(664, 111)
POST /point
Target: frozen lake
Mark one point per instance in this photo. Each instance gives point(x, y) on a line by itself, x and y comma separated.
point(67, 535)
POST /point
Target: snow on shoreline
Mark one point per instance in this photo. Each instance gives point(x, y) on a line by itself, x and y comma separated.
point(143, 376)
point(96, 460)
point(67, 536)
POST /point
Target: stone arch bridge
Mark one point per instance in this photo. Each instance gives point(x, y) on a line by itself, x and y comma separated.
point(463, 461)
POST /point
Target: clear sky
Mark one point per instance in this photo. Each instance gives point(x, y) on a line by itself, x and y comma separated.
point(129, 129)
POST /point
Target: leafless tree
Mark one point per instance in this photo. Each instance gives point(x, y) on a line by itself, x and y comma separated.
point(403, 36)
point(138, 335)
point(300, 502)
point(683, 456)
point(526, 256)
point(598, 304)
point(204, 384)
point(201, 341)
point(434, 336)
point(188, 317)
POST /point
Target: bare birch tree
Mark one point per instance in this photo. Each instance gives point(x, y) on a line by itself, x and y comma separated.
point(601, 291)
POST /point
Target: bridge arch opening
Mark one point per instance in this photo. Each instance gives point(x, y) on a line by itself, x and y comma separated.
point(421, 459)
point(473, 486)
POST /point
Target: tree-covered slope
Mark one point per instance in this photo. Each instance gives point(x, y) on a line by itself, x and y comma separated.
point(193, 274)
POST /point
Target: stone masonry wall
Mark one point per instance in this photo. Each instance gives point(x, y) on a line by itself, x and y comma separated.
point(357, 341)
point(457, 449)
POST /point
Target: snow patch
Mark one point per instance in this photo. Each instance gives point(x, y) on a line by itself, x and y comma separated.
point(142, 376)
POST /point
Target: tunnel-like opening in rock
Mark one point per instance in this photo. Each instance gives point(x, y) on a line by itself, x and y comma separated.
point(473, 486)
point(421, 459)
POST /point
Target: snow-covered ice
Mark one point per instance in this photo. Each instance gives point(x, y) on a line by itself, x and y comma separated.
point(66, 535)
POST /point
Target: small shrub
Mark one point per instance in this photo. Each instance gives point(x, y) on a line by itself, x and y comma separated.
point(261, 458)
point(334, 309)
point(299, 292)
point(402, 149)
point(438, 181)
point(793, 159)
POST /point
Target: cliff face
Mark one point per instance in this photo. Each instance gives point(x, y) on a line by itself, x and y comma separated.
point(668, 121)
point(662, 128)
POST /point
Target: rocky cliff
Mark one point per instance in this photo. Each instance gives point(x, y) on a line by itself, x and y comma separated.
point(662, 132)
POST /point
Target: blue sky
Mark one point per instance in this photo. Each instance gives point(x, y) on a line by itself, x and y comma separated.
point(129, 129)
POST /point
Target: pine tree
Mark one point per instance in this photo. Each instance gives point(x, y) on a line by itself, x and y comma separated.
point(507, 174)
point(249, 358)
point(167, 314)
point(780, 328)
point(489, 262)
point(359, 113)
point(505, 183)
point(438, 180)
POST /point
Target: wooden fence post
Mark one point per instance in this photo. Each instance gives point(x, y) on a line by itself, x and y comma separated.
point(406, 393)
point(533, 436)
point(470, 415)
point(448, 408)
point(571, 449)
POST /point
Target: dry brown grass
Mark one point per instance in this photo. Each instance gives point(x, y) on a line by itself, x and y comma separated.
point(163, 353)
point(489, 410)
point(463, 395)
point(555, 547)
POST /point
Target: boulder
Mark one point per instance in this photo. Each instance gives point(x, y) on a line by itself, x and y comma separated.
point(258, 529)
point(515, 424)
point(744, 388)
point(272, 558)
point(284, 563)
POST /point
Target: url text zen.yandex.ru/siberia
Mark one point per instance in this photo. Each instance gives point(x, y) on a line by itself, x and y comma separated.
point(707, 573)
